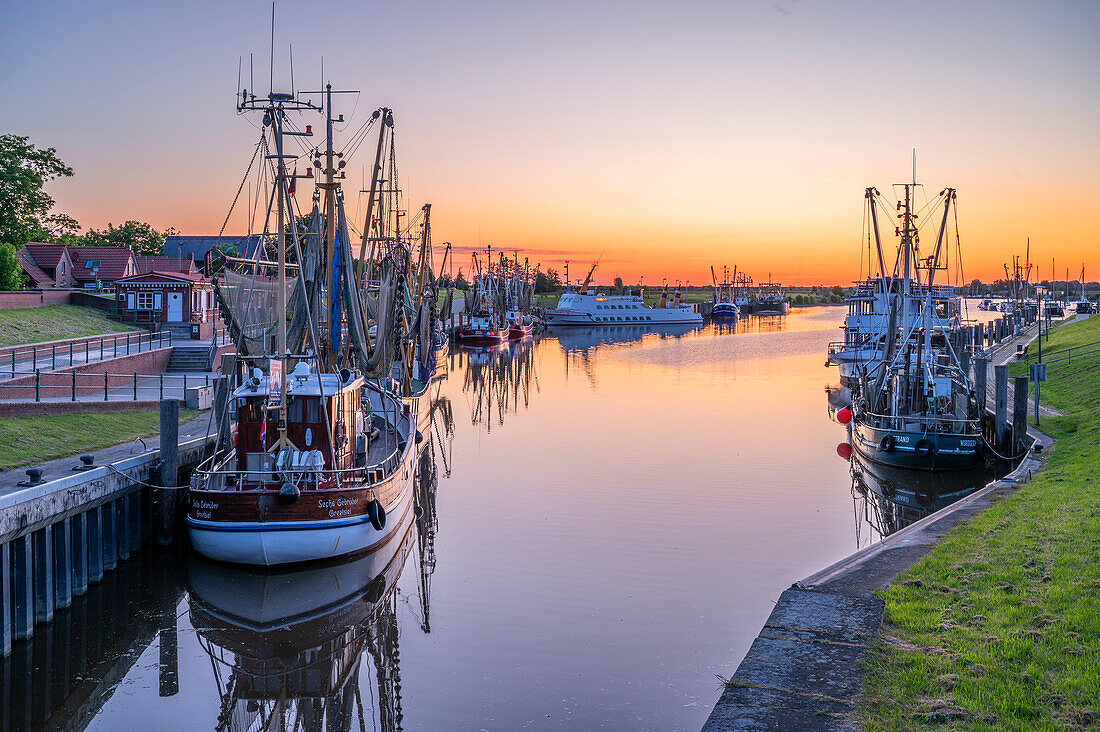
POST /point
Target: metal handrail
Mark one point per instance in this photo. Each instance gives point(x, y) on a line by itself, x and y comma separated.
point(938, 419)
point(68, 383)
point(49, 353)
point(1069, 353)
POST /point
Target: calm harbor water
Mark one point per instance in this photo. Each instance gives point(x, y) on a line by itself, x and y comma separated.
point(609, 516)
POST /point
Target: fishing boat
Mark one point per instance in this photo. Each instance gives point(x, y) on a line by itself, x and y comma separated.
point(770, 300)
point(869, 320)
point(584, 306)
point(296, 645)
point(485, 324)
point(919, 409)
point(321, 459)
point(724, 305)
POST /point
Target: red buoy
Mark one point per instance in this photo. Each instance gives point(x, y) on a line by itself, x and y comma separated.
point(844, 450)
point(844, 416)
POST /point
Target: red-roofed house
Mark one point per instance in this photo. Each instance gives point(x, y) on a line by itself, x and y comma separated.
point(102, 264)
point(174, 300)
point(46, 265)
point(146, 264)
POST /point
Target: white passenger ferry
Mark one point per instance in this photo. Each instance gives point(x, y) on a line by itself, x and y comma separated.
point(590, 308)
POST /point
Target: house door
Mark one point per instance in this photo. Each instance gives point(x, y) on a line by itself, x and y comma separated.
point(175, 307)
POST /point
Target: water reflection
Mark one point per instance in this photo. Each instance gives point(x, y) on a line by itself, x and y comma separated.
point(888, 499)
point(499, 380)
point(583, 339)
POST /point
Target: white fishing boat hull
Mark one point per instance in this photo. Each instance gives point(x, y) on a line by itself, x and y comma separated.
point(293, 542)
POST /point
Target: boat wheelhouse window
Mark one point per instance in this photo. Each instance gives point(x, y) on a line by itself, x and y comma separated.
point(304, 409)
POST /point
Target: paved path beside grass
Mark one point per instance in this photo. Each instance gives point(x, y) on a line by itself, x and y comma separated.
point(54, 469)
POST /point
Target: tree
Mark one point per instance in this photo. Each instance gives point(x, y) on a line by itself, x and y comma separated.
point(460, 282)
point(142, 237)
point(547, 281)
point(24, 203)
point(619, 284)
point(11, 275)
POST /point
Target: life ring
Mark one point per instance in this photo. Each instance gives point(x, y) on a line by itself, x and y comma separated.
point(925, 448)
point(886, 444)
point(376, 514)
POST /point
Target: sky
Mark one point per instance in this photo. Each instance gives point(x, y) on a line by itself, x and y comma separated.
point(662, 137)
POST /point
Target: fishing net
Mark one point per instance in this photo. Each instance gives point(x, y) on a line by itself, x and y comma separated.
point(250, 307)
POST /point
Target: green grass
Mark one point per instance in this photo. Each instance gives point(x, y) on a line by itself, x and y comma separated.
point(31, 440)
point(54, 322)
point(999, 626)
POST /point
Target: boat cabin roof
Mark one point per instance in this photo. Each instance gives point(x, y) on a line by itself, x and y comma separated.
point(299, 384)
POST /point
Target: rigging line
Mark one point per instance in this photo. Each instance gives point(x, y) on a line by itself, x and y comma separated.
point(241, 186)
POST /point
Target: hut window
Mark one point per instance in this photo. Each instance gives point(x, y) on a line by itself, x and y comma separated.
point(145, 301)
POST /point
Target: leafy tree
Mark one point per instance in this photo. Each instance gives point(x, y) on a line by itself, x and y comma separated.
point(460, 282)
point(619, 284)
point(11, 275)
point(142, 237)
point(24, 203)
point(547, 281)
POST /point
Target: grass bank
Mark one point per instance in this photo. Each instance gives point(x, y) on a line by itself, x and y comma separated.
point(31, 440)
point(999, 626)
point(54, 322)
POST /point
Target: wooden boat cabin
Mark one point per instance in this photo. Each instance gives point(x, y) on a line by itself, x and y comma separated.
point(344, 447)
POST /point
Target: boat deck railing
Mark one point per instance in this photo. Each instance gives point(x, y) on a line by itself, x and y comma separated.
point(939, 423)
point(262, 478)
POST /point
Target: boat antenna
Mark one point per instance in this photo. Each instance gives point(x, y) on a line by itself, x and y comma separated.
point(914, 166)
point(271, 66)
point(292, 68)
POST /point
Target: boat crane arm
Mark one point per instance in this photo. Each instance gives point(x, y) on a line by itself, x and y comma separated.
point(589, 277)
point(878, 241)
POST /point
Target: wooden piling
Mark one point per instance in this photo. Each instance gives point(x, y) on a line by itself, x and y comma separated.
point(1019, 415)
point(122, 527)
point(169, 470)
point(43, 575)
point(981, 381)
point(22, 587)
point(108, 530)
point(95, 545)
point(78, 529)
point(6, 610)
point(62, 564)
point(1000, 396)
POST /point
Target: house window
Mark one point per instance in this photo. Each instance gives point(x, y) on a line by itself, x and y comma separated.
point(145, 301)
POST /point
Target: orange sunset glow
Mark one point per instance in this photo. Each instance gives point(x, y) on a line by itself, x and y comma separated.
point(665, 138)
